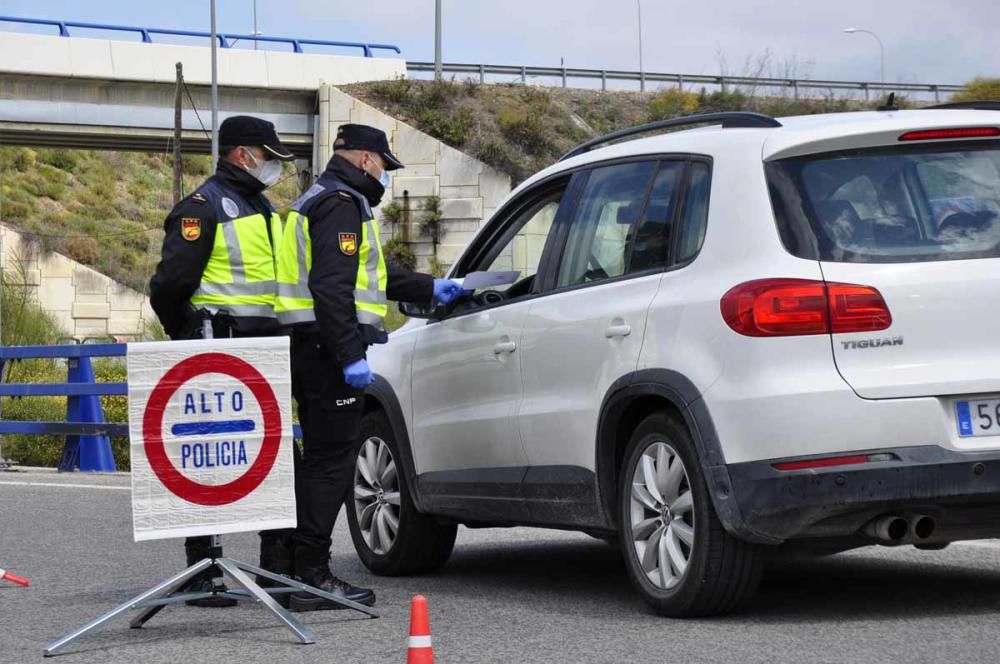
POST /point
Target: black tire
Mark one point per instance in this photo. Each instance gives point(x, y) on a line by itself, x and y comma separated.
point(421, 544)
point(722, 572)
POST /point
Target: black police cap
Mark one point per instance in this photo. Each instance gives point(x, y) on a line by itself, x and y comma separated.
point(248, 130)
point(363, 137)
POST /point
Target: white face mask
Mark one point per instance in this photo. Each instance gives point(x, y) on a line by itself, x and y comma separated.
point(383, 179)
point(267, 172)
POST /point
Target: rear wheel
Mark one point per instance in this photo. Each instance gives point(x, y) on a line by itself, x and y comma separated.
point(390, 536)
point(678, 555)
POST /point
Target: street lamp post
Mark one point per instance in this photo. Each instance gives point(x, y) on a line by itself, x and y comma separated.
point(437, 40)
point(642, 76)
point(881, 49)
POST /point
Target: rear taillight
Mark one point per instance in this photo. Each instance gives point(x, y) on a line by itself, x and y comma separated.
point(795, 307)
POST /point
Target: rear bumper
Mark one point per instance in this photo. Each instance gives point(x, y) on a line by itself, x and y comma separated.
point(961, 490)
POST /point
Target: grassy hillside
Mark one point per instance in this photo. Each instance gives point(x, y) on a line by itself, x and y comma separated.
point(104, 209)
point(521, 129)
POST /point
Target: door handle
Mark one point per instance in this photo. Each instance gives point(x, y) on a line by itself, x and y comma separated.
point(504, 347)
point(620, 330)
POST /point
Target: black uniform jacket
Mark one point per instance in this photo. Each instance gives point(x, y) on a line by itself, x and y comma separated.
point(334, 273)
point(183, 260)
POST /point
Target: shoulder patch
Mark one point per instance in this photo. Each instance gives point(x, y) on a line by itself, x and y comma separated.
point(348, 243)
point(345, 195)
point(198, 198)
point(190, 228)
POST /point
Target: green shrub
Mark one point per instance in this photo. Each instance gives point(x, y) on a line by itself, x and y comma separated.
point(430, 224)
point(25, 323)
point(398, 252)
point(524, 127)
point(438, 94)
point(500, 156)
point(19, 160)
point(34, 450)
point(979, 89)
point(196, 165)
point(672, 103)
point(451, 126)
point(65, 160)
point(395, 91)
point(392, 213)
point(722, 100)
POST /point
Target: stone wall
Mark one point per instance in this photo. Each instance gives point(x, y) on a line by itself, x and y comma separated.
point(469, 190)
point(84, 303)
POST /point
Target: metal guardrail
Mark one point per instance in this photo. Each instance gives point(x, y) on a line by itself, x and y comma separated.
point(225, 39)
point(605, 75)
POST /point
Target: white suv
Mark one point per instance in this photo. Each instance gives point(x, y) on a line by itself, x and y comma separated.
point(760, 332)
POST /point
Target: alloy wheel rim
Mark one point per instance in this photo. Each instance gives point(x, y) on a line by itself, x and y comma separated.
point(661, 515)
point(376, 495)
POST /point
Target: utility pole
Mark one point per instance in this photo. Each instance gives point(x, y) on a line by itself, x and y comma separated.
point(437, 40)
point(178, 102)
point(215, 94)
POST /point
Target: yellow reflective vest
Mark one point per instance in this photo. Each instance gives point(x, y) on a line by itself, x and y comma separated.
point(295, 302)
point(240, 274)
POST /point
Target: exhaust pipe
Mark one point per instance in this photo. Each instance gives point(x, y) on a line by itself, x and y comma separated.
point(922, 526)
point(891, 528)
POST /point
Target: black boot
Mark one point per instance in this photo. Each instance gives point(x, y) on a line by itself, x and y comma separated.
point(276, 557)
point(197, 549)
point(313, 567)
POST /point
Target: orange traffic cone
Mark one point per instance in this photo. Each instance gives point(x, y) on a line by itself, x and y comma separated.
point(13, 578)
point(420, 651)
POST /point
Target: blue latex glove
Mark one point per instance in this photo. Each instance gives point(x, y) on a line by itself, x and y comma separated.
point(447, 291)
point(358, 374)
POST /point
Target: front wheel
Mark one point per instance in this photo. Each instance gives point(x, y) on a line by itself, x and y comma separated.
point(678, 555)
point(391, 537)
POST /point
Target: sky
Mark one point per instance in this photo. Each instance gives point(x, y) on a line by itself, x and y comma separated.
point(926, 42)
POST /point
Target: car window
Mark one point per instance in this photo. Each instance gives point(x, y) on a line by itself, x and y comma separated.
point(651, 246)
point(915, 203)
point(520, 249)
point(599, 235)
point(694, 218)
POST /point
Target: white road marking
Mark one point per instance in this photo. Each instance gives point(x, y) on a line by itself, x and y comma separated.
point(983, 544)
point(69, 485)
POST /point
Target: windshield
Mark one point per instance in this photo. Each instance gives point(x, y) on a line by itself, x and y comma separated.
point(888, 205)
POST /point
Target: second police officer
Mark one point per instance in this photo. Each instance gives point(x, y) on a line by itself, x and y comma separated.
point(333, 288)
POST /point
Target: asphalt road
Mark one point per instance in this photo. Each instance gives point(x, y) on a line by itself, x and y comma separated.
point(507, 595)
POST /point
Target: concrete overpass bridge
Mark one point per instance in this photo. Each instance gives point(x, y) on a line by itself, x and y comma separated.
point(114, 94)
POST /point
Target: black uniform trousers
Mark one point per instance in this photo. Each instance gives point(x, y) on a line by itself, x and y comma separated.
point(330, 415)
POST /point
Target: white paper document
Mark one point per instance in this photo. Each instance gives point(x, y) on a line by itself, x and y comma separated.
point(479, 280)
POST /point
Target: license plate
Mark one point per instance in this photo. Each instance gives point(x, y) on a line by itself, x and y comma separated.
point(978, 418)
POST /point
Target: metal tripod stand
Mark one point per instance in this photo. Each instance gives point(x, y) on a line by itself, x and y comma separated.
point(171, 591)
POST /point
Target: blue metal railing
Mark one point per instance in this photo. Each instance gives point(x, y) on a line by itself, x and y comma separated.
point(225, 39)
point(87, 443)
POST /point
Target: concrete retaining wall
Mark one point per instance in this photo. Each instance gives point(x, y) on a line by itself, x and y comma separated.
point(469, 190)
point(84, 302)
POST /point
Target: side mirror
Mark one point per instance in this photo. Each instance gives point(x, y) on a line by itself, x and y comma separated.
point(413, 310)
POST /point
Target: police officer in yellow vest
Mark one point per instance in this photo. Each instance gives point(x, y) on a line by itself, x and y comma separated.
point(333, 288)
point(218, 262)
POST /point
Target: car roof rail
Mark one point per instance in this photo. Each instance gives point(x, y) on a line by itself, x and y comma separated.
point(728, 119)
point(983, 105)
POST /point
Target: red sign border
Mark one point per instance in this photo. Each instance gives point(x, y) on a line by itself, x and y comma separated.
point(152, 429)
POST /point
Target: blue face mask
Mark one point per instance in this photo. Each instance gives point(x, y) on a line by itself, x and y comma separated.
point(384, 179)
